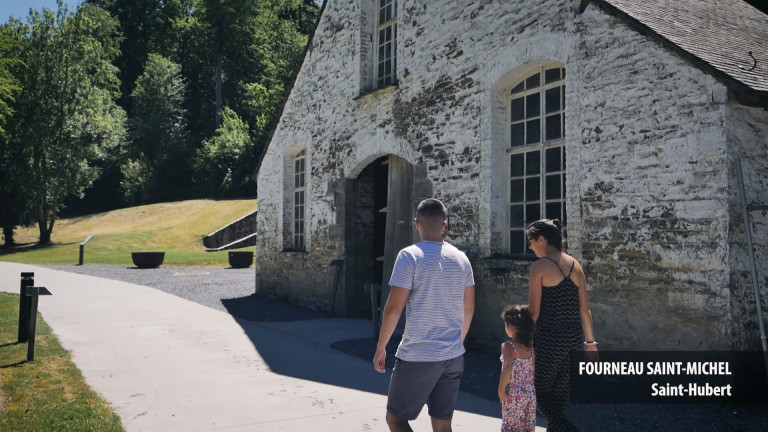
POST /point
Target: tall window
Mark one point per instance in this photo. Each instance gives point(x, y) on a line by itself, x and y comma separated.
point(299, 190)
point(386, 36)
point(536, 109)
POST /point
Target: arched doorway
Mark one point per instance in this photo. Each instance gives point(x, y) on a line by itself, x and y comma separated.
point(379, 210)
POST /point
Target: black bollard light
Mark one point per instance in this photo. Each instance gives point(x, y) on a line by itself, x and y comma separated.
point(33, 293)
point(27, 280)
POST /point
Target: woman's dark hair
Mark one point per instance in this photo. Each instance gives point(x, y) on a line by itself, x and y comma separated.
point(520, 318)
point(550, 229)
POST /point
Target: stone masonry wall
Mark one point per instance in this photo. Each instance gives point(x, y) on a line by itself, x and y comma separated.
point(748, 140)
point(647, 157)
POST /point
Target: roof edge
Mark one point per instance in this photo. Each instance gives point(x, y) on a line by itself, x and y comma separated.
point(742, 93)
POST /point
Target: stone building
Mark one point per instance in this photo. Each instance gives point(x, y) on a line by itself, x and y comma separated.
point(625, 119)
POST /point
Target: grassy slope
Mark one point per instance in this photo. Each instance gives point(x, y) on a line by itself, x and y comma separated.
point(50, 393)
point(176, 228)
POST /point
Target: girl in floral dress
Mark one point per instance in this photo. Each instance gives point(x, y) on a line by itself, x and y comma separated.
point(516, 389)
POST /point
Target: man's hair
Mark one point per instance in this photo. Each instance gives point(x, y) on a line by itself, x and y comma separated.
point(431, 214)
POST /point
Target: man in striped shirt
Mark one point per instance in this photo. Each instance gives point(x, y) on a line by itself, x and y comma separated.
point(433, 281)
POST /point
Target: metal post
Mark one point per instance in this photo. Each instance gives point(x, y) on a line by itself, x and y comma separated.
point(27, 280)
point(82, 249)
point(753, 266)
point(33, 293)
point(338, 263)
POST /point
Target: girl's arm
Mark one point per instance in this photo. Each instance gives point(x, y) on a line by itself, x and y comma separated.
point(508, 355)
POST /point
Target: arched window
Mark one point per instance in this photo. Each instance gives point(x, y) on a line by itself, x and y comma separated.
point(536, 140)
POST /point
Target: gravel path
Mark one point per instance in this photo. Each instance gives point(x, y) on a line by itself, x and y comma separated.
point(232, 291)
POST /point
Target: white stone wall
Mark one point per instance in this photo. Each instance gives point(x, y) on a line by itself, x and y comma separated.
point(748, 141)
point(648, 190)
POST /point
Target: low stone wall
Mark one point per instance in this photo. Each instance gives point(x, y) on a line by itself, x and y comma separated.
point(238, 229)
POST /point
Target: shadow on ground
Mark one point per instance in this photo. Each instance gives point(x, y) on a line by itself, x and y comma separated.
point(332, 341)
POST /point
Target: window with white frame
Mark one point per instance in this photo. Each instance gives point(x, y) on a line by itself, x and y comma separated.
point(386, 42)
point(299, 192)
point(536, 121)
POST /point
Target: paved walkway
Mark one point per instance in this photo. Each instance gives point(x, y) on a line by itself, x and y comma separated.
point(167, 364)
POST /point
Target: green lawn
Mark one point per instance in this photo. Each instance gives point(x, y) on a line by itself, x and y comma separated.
point(48, 394)
point(174, 228)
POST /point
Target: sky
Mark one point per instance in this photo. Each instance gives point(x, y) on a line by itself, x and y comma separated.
point(20, 8)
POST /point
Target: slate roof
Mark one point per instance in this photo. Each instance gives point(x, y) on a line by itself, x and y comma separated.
point(721, 33)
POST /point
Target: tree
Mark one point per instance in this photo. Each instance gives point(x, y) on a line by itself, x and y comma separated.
point(65, 116)
point(158, 128)
point(12, 204)
point(221, 155)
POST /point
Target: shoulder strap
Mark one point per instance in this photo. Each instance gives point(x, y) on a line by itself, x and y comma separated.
point(557, 265)
point(572, 264)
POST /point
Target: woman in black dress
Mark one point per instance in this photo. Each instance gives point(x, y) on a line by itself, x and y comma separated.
point(557, 299)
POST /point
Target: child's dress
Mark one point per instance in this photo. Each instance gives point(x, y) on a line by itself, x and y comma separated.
point(519, 411)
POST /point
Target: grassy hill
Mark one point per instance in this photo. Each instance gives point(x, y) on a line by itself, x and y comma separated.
point(176, 228)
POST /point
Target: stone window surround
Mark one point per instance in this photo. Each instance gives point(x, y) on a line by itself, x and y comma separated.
point(500, 166)
point(288, 204)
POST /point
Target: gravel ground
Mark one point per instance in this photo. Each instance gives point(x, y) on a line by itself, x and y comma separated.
point(232, 291)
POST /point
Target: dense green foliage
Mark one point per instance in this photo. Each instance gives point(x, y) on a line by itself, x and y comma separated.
point(126, 102)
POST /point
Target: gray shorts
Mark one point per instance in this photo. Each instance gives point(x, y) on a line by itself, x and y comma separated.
point(415, 383)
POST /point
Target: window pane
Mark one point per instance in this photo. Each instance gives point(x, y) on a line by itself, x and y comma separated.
point(517, 109)
point(387, 67)
point(381, 70)
point(533, 162)
point(532, 212)
point(563, 69)
point(381, 52)
point(516, 190)
point(551, 75)
point(552, 99)
point(553, 211)
point(516, 216)
point(517, 134)
point(553, 127)
point(532, 82)
point(517, 242)
point(516, 164)
point(553, 187)
point(518, 88)
point(532, 189)
point(533, 105)
point(552, 161)
point(533, 131)
point(563, 93)
point(388, 32)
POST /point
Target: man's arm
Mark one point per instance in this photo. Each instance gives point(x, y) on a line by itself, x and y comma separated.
point(398, 297)
point(469, 310)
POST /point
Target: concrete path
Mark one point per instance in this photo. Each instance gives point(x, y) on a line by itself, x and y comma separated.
point(167, 364)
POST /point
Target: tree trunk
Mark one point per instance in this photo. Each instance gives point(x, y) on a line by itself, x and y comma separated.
point(218, 90)
point(8, 236)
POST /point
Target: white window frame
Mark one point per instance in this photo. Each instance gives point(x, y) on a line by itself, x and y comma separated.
point(385, 15)
point(299, 200)
point(549, 172)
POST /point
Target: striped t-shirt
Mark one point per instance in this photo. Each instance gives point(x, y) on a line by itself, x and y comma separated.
point(437, 275)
